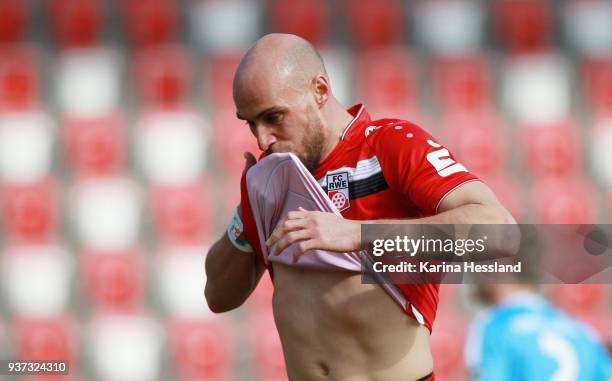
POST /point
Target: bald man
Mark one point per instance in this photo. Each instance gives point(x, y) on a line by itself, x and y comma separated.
point(333, 327)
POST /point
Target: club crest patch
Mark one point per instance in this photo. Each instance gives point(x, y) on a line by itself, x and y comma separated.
point(338, 190)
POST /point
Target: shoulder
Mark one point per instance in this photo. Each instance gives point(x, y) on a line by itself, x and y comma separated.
point(393, 139)
point(390, 131)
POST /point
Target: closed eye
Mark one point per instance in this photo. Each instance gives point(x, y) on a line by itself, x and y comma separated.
point(274, 117)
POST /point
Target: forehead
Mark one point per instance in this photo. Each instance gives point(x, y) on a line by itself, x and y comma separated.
point(254, 92)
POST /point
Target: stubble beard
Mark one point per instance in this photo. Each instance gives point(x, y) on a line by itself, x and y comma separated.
point(313, 146)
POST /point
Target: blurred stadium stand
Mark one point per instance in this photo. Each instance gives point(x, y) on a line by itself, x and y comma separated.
point(120, 155)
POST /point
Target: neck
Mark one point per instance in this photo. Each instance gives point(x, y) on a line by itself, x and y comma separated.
point(338, 119)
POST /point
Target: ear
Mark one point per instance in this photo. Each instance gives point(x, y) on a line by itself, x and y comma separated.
point(322, 90)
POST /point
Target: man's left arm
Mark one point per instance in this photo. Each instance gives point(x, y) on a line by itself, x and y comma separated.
point(419, 168)
point(470, 203)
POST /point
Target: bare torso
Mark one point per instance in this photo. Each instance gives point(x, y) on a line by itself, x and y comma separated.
point(334, 328)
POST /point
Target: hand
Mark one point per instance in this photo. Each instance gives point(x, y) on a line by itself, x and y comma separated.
point(248, 163)
point(315, 230)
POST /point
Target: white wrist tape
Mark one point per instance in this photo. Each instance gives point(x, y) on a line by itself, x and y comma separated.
point(235, 233)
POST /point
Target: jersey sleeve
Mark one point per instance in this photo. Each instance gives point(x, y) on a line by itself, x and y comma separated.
point(248, 220)
point(416, 165)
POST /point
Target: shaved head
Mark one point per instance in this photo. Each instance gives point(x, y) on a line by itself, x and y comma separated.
point(280, 58)
point(282, 91)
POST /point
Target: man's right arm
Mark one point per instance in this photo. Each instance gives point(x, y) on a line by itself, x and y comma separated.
point(231, 275)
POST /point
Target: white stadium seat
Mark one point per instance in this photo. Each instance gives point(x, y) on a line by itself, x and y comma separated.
point(587, 26)
point(126, 347)
point(601, 155)
point(106, 213)
point(26, 145)
point(88, 82)
point(214, 23)
point(37, 279)
point(338, 65)
point(537, 88)
point(450, 26)
point(171, 147)
point(181, 280)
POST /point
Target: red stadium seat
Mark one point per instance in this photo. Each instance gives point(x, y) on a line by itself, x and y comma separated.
point(94, 146)
point(19, 83)
point(76, 22)
point(150, 22)
point(600, 322)
point(583, 299)
point(46, 338)
point(181, 214)
point(13, 20)
point(509, 193)
point(523, 25)
point(447, 345)
point(463, 84)
point(163, 76)
point(597, 85)
point(30, 211)
point(563, 201)
point(265, 347)
point(113, 280)
point(306, 18)
point(374, 23)
point(220, 71)
point(478, 141)
point(389, 83)
point(171, 146)
point(228, 152)
point(200, 348)
point(261, 299)
point(448, 299)
point(551, 149)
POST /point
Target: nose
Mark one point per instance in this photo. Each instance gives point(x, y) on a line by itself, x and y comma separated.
point(265, 138)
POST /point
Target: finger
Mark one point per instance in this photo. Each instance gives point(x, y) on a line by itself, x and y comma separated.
point(285, 227)
point(249, 161)
point(303, 247)
point(276, 233)
point(297, 214)
point(290, 238)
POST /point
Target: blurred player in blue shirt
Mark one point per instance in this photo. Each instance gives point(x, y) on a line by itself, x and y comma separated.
point(522, 337)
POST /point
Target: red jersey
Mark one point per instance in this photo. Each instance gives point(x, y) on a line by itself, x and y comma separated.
point(386, 169)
